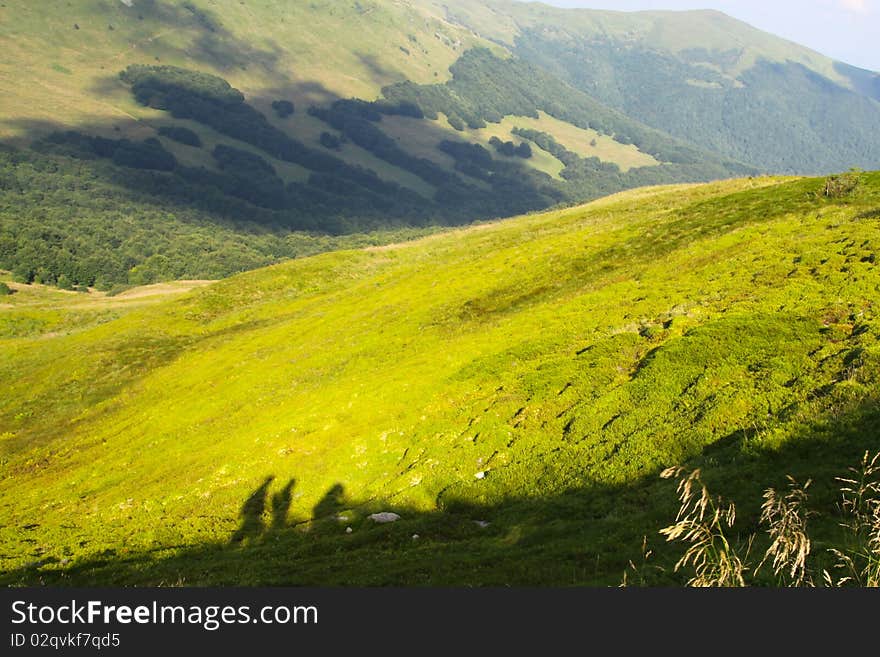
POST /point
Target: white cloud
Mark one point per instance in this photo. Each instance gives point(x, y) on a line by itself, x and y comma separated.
point(858, 6)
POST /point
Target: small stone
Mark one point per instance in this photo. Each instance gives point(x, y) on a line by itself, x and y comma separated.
point(480, 475)
point(482, 524)
point(416, 537)
point(348, 530)
point(383, 517)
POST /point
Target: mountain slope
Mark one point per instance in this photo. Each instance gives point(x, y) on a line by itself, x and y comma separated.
point(737, 45)
point(64, 63)
point(378, 118)
point(181, 115)
point(534, 374)
point(701, 76)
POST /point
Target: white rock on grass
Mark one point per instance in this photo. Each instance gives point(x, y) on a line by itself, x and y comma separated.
point(480, 475)
point(482, 524)
point(385, 516)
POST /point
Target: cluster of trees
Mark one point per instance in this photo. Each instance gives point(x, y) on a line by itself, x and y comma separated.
point(509, 149)
point(182, 135)
point(548, 143)
point(147, 154)
point(64, 222)
point(283, 108)
point(400, 108)
point(178, 89)
point(333, 189)
point(457, 122)
point(357, 121)
point(577, 169)
point(210, 100)
point(515, 187)
point(470, 159)
point(373, 110)
point(330, 141)
point(326, 202)
point(254, 179)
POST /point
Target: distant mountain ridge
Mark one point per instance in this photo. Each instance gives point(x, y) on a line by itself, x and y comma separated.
point(734, 45)
point(701, 76)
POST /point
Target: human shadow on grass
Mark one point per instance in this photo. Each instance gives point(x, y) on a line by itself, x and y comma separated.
point(281, 506)
point(252, 525)
point(585, 535)
point(332, 503)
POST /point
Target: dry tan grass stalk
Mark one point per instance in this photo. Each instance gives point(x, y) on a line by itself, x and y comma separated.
point(700, 523)
point(860, 505)
point(639, 571)
point(786, 518)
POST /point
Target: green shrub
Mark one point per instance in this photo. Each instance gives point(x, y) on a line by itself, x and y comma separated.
point(456, 122)
point(283, 108)
point(841, 185)
point(330, 141)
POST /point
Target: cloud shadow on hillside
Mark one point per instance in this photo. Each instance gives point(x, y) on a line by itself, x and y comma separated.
point(212, 42)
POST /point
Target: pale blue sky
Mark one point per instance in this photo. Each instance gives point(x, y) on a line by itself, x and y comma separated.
point(847, 30)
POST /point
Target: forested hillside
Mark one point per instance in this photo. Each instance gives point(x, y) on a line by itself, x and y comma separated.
point(382, 117)
point(702, 77)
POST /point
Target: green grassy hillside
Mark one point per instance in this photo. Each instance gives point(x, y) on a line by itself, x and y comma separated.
point(534, 374)
point(61, 67)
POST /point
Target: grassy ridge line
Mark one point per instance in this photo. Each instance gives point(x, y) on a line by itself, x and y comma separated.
point(554, 352)
point(674, 31)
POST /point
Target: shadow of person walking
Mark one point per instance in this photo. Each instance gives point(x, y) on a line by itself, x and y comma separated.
point(281, 506)
point(252, 525)
point(332, 503)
